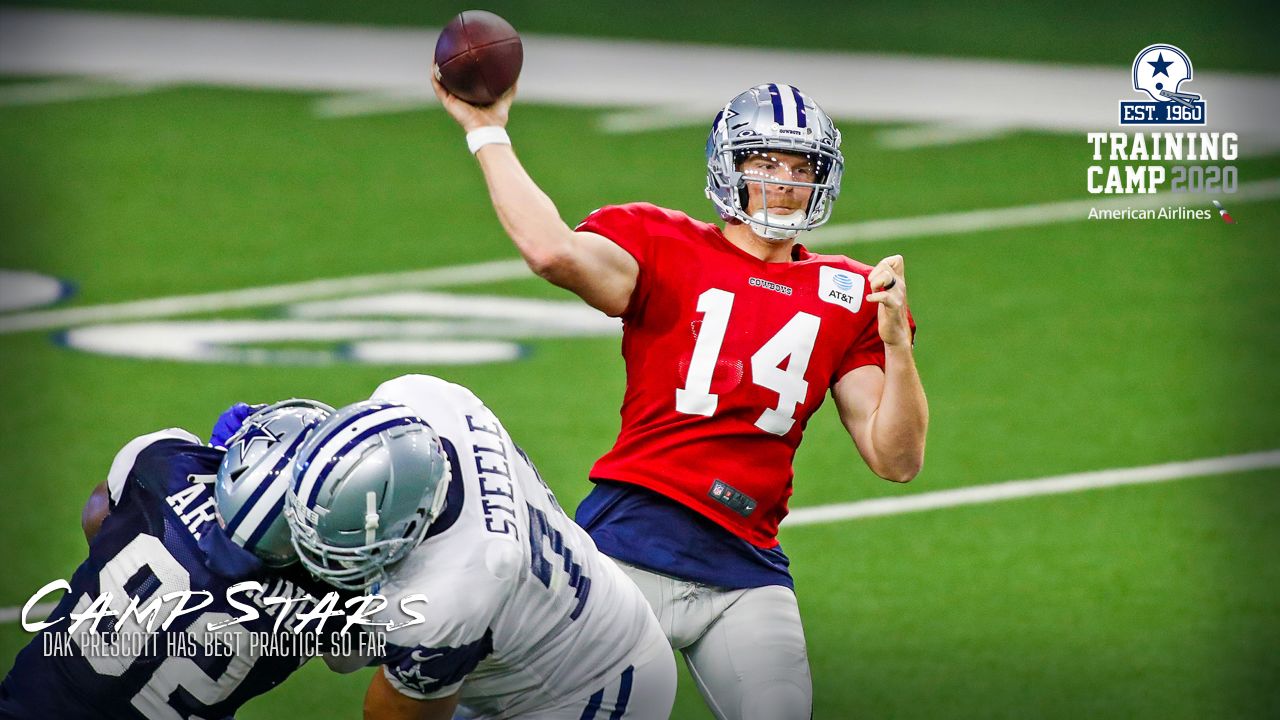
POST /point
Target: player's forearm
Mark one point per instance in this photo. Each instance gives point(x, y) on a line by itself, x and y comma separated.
point(901, 421)
point(526, 213)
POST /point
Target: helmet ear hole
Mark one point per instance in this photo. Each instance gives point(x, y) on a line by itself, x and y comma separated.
point(411, 528)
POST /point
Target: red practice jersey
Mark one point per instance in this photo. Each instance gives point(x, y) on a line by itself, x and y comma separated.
point(727, 358)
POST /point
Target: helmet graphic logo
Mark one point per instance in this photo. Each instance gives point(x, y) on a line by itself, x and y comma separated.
point(1160, 70)
point(251, 433)
point(1160, 75)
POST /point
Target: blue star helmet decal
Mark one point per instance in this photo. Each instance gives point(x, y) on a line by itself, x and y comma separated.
point(255, 433)
point(1161, 66)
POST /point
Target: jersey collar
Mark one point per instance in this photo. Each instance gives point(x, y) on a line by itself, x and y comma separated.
point(799, 253)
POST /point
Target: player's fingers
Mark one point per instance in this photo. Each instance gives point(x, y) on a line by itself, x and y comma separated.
point(884, 297)
point(441, 93)
point(895, 263)
point(881, 278)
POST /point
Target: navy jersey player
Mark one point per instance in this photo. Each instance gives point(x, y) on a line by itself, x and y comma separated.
point(733, 336)
point(162, 536)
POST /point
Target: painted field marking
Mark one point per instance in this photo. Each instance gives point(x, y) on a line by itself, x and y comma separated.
point(1019, 216)
point(491, 271)
point(625, 122)
point(514, 269)
point(374, 103)
point(69, 90)
point(1017, 489)
point(975, 495)
point(938, 134)
point(39, 611)
point(26, 290)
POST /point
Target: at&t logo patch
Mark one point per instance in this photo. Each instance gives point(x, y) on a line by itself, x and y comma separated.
point(841, 287)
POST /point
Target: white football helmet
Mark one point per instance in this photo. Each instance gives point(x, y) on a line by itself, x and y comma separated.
point(773, 118)
point(368, 482)
point(1158, 71)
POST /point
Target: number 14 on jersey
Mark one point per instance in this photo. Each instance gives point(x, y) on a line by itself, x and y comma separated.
point(795, 341)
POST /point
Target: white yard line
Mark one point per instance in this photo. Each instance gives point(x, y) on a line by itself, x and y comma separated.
point(39, 612)
point(70, 90)
point(1016, 489)
point(849, 233)
point(1021, 216)
point(976, 495)
point(266, 296)
point(373, 103)
point(649, 119)
point(612, 74)
point(938, 134)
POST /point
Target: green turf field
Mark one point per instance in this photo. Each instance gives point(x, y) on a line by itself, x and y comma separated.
point(1044, 350)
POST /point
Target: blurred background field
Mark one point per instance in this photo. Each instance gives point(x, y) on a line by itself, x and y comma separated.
point(1045, 349)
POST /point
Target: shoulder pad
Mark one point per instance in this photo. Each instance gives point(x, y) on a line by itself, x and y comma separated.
point(124, 461)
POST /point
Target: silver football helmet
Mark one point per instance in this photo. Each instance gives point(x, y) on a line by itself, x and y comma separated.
point(773, 118)
point(367, 484)
point(254, 474)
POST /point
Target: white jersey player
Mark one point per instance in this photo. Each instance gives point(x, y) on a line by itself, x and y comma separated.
point(523, 616)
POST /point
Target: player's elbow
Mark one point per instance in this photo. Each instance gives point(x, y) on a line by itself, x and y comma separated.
point(548, 264)
point(903, 467)
point(902, 472)
point(344, 664)
point(550, 255)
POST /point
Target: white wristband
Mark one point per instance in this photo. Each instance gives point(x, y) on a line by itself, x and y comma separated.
point(487, 135)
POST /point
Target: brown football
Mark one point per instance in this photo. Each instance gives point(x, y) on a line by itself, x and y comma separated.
point(478, 56)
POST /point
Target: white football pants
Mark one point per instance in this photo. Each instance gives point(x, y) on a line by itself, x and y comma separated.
point(644, 690)
point(745, 648)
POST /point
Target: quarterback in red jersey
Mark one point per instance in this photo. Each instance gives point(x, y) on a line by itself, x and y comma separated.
point(732, 338)
point(727, 357)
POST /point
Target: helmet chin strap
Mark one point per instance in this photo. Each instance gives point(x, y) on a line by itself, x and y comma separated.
point(793, 223)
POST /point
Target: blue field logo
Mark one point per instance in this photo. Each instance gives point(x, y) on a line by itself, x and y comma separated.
point(1158, 73)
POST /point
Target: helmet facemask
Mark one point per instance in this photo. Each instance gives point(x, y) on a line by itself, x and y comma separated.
point(366, 565)
point(777, 177)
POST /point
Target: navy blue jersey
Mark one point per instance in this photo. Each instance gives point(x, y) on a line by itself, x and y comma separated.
point(160, 537)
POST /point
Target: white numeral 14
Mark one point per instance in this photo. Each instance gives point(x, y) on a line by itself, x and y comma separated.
point(795, 340)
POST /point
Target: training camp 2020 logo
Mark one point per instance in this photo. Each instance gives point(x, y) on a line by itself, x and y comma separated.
point(1159, 72)
point(1148, 160)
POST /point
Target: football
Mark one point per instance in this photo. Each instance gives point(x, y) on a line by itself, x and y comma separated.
point(478, 56)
